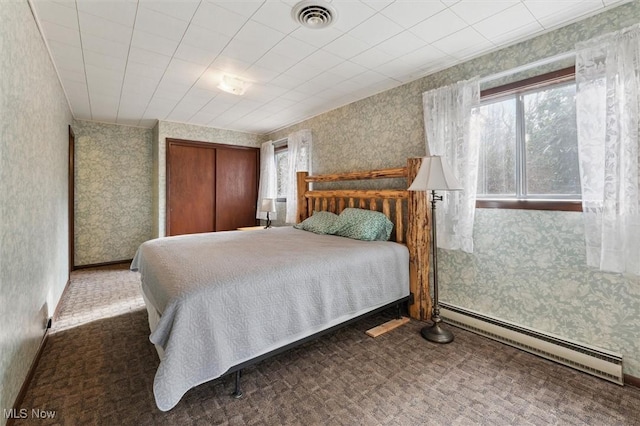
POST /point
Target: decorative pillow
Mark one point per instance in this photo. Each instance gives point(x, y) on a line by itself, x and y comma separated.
point(366, 225)
point(320, 223)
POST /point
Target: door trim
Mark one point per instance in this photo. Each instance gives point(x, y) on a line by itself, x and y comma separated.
point(71, 206)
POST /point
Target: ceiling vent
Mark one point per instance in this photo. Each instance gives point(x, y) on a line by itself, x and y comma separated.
point(314, 14)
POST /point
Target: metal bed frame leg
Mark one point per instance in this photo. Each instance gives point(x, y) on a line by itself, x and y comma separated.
point(398, 311)
point(237, 393)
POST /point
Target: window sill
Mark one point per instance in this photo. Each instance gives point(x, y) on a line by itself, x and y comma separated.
point(558, 205)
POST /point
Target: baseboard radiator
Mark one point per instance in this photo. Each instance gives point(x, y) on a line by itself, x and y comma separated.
point(592, 360)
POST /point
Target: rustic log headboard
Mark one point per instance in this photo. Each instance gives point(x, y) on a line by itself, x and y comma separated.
point(410, 228)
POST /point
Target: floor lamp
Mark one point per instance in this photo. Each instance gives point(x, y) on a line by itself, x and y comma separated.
point(435, 174)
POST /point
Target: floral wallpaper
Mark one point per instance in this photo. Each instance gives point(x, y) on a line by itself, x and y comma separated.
point(167, 129)
point(33, 194)
point(563, 296)
point(533, 271)
point(113, 200)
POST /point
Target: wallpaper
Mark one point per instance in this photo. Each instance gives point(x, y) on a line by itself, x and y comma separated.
point(167, 129)
point(533, 271)
point(113, 200)
point(383, 130)
point(33, 194)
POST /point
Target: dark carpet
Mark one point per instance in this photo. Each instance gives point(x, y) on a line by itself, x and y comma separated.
point(98, 367)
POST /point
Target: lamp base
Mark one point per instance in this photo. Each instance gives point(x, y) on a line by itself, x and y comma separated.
point(437, 334)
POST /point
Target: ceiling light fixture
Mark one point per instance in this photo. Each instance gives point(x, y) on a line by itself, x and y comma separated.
point(233, 85)
point(314, 14)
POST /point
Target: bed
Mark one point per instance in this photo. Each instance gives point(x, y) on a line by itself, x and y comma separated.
point(219, 302)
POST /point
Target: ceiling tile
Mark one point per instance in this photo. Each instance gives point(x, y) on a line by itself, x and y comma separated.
point(119, 11)
point(473, 11)
point(346, 46)
point(376, 29)
point(153, 43)
point(551, 14)
point(508, 21)
point(73, 76)
point(171, 91)
point(159, 24)
point(401, 44)
point(302, 71)
point(410, 12)
point(219, 19)
point(379, 4)
point(105, 61)
point(438, 26)
point(255, 32)
point(372, 58)
point(61, 34)
point(204, 38)
point(424, 56)
point(321, 60)
point(293, 48)
point(351, 13)
point(244, 51)
point(148, 58)
point(287, 81)
point(518, 34)
point(183, 9)
point(229, 65)
point(137, 85)
point(244, 8)
point(316, 38)
point(67, 56)
point(276, 15)
point(170, 64)
point(276, 62)
point(180, 71)
point(103, 28)
point(104, 46)
point(464, 43)
point(57, 14)
point(196, 55)
point(261, 74)
point(347, 69)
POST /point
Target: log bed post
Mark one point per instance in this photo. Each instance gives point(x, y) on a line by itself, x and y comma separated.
point(302, 187)
point(418, 244)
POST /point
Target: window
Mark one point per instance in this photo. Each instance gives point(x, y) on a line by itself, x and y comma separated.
point(282, 168)
point(528, 144)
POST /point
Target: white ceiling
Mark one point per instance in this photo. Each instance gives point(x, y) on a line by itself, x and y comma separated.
point(134, 62)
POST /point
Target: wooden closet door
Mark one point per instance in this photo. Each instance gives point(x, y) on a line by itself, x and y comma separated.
point(236, 188)
point(191, 172)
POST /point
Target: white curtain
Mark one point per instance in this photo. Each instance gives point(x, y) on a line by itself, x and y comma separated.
point(448, 120)
point(608, 109)
point(299, 154)
point(267, 183)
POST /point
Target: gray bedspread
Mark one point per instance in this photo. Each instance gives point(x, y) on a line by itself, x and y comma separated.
point(227, 297)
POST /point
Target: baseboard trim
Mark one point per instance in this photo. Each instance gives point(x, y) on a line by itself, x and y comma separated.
point(632, 381)
point(27, 380)
point(97, 265)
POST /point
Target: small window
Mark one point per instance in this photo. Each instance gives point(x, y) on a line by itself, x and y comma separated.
point(282, 170)
point(528, 145)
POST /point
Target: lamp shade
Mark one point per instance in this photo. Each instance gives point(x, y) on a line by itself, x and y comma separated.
point(435, 174)
point(268, 205)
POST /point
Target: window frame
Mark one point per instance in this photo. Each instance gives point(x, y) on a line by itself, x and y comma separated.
point(279, 146)
point(519, 89)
